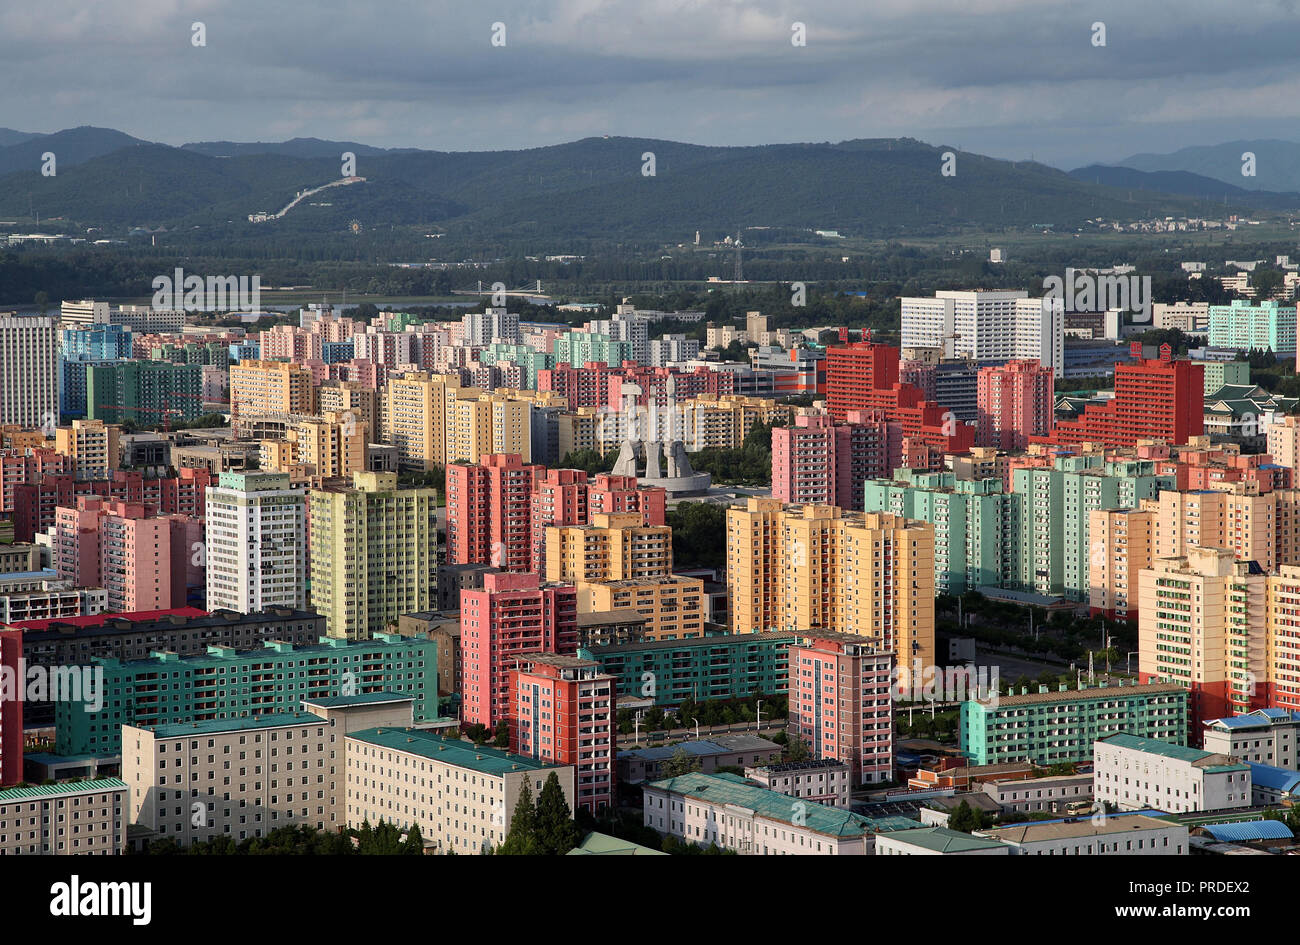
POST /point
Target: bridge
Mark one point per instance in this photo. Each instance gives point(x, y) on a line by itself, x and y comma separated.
point(522, 292)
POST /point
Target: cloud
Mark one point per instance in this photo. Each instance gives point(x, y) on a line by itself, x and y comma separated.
point(1009, 77)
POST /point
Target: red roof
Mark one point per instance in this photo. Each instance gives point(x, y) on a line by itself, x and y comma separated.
point(136, 616)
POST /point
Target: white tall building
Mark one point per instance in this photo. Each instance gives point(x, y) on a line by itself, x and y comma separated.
point(493, 324)
point(256, 543)
point(988, 325)
point(29, 372)
point(84, 312)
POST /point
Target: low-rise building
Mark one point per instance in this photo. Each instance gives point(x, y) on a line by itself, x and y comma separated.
point(1132, 835)
point(823, 781)
point(77, 818)
point(737, 814)
point(1266, 736)
point(461, 796)
point(1052, 794)
point(937, 841)
point(239, 778)
point(1135, 773)
point(638, 765)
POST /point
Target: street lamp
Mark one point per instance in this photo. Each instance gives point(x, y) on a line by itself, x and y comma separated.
point(697, 729)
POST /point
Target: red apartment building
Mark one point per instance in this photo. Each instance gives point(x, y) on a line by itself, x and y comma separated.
point(562, 711)
point(513, 615)
point(35, 502)
point(612, 494)
point(819, 461)
point(864, 376)
point(841, 704)
point(560, 497)
point(11, 707)
point(1155, 398)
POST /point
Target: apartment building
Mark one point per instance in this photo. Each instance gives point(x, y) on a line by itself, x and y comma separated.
point(278, 388)
point(91, 447)
point(489, 511)
point(78, 818)
point(225, 683)
point(841, 702)
point(1013, 403)
point(239, 778)
point(374, 552)
point(737, 814)
point(149, 393)
point(675, 607)
point(29, 368)
point(815, 566)
point(515, 614)
point(988, 325)
point(1134, 773)
point(1049, 728)
point(1121, 547)
point(562, 711)
point(256, 543)
point(461, 796)
point(613, 547)
point(415, 409)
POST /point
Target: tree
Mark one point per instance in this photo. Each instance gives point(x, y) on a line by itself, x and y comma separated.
point(501, 736)
point(557, 834)
point(521, 839)
point(414, 843)
point(965, 818)
point(797, 749)
point(678, 764)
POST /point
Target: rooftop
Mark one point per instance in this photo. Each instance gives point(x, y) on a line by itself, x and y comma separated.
point(1074, 829)
point(241, 724)
point(1083, 695)
point(729, 639)
point(943, 840)
point(363, 698)
point(1208, 760)
point(450, 751)
point(67, 787)
point(772, 805)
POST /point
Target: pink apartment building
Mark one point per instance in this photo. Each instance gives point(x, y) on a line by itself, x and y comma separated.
point(489, 512)
point(840, 702)
point(819, 461)
point(513, 615)
point(1014, 402)
point(562, 711)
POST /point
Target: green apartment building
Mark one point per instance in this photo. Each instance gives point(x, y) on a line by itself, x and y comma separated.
point(226, 684)
point(578, 347)
point(374, 553)
point(719, 667)
point(971, 524)
point(1051, 727)
point(1049, 517)
point(528, 358)
point(1245, 326)
point(143, 391)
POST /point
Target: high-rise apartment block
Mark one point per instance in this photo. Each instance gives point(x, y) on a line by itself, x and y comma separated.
point(256, 547)
point(1014, 402)
point(373, 552)
point(988, 325)
point(29, 372)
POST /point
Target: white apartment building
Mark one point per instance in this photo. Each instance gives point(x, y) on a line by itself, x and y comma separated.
point(988, 325)
point(1135, 773)
point(240, 778)
point(256, 543)
point(29, 372)
point(1041, 794)
point(1265, 736)
point(627, 326)
point(144, 319)
point(493, 324)
point(77, 818)
point(672, 349)
point(1115, 835)
point(739, 815)
point(1188, 317)
point(825, 781)
point(461, 796)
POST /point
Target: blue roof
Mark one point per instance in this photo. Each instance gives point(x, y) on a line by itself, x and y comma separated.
point(1274, 778)
point(1250, 830)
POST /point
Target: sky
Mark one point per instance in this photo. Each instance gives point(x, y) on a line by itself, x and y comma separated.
point(1013, 79)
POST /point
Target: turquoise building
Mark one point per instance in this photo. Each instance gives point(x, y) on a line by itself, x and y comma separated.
point(226, 684)
point(1053, 727)
point(718, 667)
point(530, 359)
point(579, 347)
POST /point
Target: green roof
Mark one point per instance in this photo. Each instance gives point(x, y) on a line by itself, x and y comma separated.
point(1171, 750)
point(242, 723)
point(364, 698)
point(943, 840)
point(452, 751)
point(732, 789)
point(602, 844)
point(67, 787)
